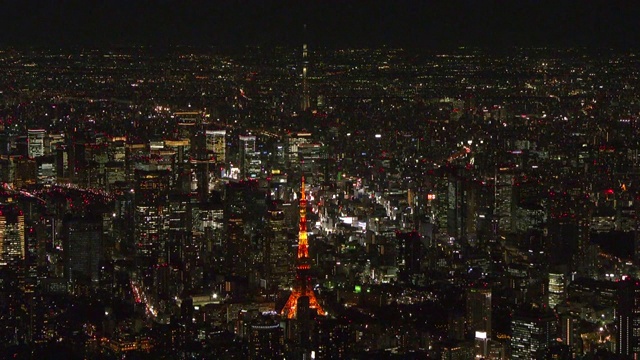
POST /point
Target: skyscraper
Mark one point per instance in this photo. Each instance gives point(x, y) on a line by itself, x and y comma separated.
point(629, 318)
point(208, 230)
point(83, 248)
point(265, 338)
point(409, 254)
point(151, 188)
point(249, 161)
point(332, 338)
point(532, 331)
point(35, 139)
point(181, 249)
point(504, 200)
point(557, 286)
point(294, 141)
point(636, 232)
point(188, 122)
point(569, 331)
point(479, 309)
point(216, 144)
point(277, 252)
point(237, 241)
point(12, 244)
point(237, 247)
point(201, 161)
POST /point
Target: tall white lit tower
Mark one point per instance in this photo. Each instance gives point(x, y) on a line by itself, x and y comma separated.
point(306, 102)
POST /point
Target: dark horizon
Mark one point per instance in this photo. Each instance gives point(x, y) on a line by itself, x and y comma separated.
point(411, 24)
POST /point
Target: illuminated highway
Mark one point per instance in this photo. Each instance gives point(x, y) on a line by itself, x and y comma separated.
point(141, 297)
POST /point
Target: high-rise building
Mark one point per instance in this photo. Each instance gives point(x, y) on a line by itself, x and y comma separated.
point(331, 338)
point(532, 332)
point(237, 242)
point(5, 141)
point(504, 200)
point(26, 172)
point(629, 318)
point(208, 230)
point(455, 203)
point(293, 146)
point(84, 248)
point(409, 254)
point(62, 162)
point(636, 232)
point(188, 122)
point(312, 157)
point(439, 205)
point(278, 256)
point(568, 229)
point(265, 339)
point(179, 150)
point(177, 231)
point(479, 309)
point(570, 330)
point(37, 243)
point(250, 165)
point(151, 189)
point(456, 325)
point(557, 287)
point(35, 139)
point(202, 162)
point(216, 145)
point(244, 210)
point(457, 350)
point(12, 242)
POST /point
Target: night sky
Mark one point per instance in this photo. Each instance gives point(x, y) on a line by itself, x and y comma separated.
point(412, 24)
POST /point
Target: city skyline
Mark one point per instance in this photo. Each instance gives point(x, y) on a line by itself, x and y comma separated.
point(319, 180)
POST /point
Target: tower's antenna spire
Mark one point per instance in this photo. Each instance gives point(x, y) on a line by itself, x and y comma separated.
point(306, 102)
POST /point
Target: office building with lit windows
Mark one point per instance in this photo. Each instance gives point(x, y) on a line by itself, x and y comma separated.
point(628, 309)
point(12, 243)
point(265, 339)
point(557, 286)
point(150, 199)
point(216, 144)
point(532, 332)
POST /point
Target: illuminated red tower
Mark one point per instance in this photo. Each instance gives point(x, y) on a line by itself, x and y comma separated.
point(302, 286)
